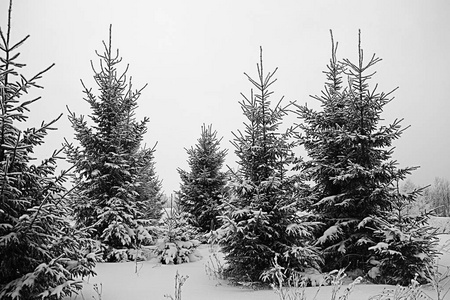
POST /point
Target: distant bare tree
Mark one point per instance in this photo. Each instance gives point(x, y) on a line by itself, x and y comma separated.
point(421, 203)
point(438, 195)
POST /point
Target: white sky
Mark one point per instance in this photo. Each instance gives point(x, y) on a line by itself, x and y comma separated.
point(193, 55)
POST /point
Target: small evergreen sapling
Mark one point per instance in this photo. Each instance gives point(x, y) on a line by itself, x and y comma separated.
point(177, 241)
point(41, 255)
point(202, 187)
point(407, 247)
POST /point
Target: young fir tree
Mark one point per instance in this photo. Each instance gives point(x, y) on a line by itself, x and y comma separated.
point(41, 255)
point(261, 224)
point(202, 188)
point(407, 244)
point(109, 161)
point(352, 168)
point(150, 189)
point(177, 241)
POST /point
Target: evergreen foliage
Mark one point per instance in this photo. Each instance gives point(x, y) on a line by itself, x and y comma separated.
point(407, 245)
point(352, 168)
point(177, 241)
point(260, 217)
point(150, 189)
point(109, 161)
point(202, 187)
point(41, 255)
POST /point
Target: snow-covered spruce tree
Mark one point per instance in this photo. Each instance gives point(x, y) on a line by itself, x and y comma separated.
point(41, 255)
point(353, 171)
point(407, 244)
point(177, 241)
point(109, 162)
point(150, 188)
point(202, 187)
point(260, 220)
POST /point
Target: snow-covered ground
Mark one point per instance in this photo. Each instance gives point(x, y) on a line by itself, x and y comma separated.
point(120, 281)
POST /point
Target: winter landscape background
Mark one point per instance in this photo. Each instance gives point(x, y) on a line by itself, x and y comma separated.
point(178, 161)
point(193, 55)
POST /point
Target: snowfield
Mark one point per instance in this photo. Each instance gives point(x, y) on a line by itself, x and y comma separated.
point(151, 280)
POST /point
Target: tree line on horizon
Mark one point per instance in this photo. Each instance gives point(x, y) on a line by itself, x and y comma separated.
point(266, 215)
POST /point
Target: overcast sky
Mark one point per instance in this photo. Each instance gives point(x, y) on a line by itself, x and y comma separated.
point(193, 54)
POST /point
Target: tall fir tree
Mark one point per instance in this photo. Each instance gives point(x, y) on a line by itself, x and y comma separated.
point(351, 165)
point(109, 162)
point(202, 188)
point(41, 255)
point(261, 224)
